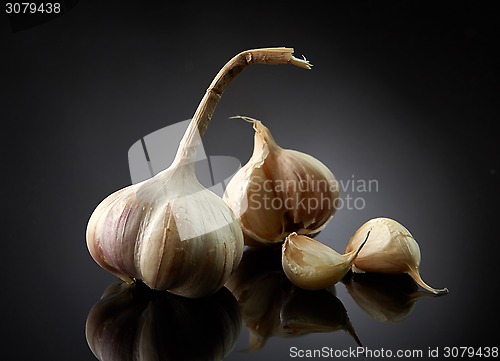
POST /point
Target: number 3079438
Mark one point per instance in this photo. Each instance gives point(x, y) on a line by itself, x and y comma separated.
point(32, 8)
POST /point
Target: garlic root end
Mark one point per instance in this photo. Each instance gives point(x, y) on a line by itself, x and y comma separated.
point(418, 279)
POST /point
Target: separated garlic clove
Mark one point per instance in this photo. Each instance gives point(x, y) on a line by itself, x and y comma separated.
point(280, 191)
point(169, 231)
point(311, 265)
point(392, 249)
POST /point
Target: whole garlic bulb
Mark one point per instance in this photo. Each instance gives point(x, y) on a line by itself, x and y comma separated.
point(280, 191)
point(169, 231)
point(392, 249)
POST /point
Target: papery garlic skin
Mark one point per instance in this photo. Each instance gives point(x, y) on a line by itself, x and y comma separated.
point(280, 191)
point(312, 265)
point(392, 249)
point(168, 231)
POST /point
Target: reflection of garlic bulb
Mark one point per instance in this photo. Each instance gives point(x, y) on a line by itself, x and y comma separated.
point(280, 191)
point(261, 288)
point(392, 249)
point(170, 231)
point(132, 322)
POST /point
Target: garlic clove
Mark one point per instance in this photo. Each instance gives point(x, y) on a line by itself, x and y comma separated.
point(280, 191)
point(311, 265)
point(392, 249)
point(272, 223)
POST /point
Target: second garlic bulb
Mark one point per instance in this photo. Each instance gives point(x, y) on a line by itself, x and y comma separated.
point(280, 191)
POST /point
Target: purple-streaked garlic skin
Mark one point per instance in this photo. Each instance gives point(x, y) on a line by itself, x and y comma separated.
point(171, 233)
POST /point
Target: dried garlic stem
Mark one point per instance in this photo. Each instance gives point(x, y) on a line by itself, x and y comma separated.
point(206, 108)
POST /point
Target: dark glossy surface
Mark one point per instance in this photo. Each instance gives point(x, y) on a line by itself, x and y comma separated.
point(404, 94)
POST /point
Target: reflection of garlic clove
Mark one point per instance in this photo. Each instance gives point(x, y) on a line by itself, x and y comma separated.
point(280, 191)
point(387, 298)
point(320, 311)
point(170, 231)
point(272, 306)
point(311, 265)
point(132, 322)
point(392, 249)
point(261, 288)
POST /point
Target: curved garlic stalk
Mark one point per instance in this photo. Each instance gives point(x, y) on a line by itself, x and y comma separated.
point(392, 249)
point(311, 265)
point(169, 231)
point(280, 191)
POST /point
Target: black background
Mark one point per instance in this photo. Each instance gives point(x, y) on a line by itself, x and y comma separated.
point(405, 93)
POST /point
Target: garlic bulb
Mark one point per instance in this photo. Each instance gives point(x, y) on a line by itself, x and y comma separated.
point(169, 231)
point(311, 265)
point(280, 191)
point(392, 249)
